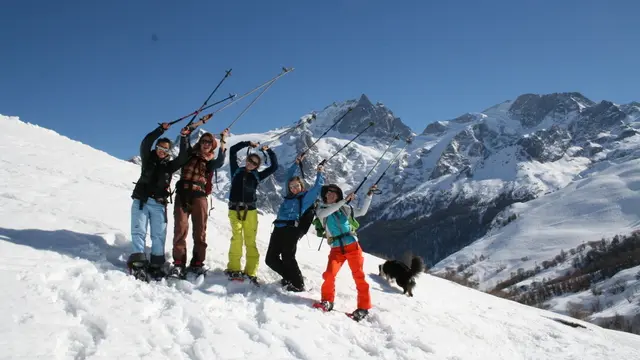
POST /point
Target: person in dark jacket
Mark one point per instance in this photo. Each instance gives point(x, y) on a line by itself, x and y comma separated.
point(293, 220)
point(243, 213)
point(150, 197)
point(191, 200)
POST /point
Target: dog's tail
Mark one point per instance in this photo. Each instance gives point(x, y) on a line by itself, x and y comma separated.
point(417, 266)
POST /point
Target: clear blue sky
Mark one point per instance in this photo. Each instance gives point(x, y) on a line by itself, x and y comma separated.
point(91, 71)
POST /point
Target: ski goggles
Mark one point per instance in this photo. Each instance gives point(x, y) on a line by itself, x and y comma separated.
point(163, 149)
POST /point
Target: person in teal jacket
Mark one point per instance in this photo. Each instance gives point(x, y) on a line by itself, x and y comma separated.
point(294, 218)
point(334, 213)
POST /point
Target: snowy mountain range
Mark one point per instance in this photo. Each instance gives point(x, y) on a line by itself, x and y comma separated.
point(64, 238)
point(484, 184)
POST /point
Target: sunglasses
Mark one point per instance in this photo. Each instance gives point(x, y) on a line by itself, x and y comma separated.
point(251, 161)
point(206, 142)
point(163, 149)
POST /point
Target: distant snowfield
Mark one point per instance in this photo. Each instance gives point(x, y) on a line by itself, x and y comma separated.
point(64, 236)
point(604, 204)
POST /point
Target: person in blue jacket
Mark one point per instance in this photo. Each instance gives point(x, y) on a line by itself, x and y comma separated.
point(294, 219)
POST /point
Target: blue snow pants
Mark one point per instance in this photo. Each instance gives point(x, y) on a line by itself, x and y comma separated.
point(152, 213)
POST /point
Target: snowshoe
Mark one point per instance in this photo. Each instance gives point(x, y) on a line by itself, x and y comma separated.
point(156, 272)
point(358, 315)
point(139, 273)
point(253, 280)
point(293, 288)
point(137, 265)
point(198, 270)
point(177, 272)
point(235, 275)
point(325, 306)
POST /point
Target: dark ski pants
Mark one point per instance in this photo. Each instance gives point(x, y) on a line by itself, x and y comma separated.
point(281, 254)
point(198, 215)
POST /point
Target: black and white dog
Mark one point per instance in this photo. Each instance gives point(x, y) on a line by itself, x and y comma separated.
point(404, 275)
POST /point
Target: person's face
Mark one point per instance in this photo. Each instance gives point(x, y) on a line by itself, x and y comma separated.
point(251, 164)
point(332, 196)
point(206, 144)
point(162, 150)
point(295, 187)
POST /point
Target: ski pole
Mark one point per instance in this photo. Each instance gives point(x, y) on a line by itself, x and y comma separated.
point(291, 129)
point(325, 133)
point(241, 97)
point(195, 113)
point(378, 191)
point(395, 138)
point(226, 75)
point(231, 96)
point(285, 70)
point(204, 119)
point(347, 144)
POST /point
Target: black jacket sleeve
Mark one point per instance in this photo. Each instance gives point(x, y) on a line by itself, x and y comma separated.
point(183, 156)
point(233, 155)
point(147, 143)
point(218, 161)
point(271, 169)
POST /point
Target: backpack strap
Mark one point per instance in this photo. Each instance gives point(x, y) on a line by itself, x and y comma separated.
point(339, 237)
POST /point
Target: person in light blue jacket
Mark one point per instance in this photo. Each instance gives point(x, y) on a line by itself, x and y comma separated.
point(294, 219)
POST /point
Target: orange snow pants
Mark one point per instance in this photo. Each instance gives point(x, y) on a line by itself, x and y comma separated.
point(353, 256)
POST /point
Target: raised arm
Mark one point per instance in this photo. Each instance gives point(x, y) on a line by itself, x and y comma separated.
point(233, 155)
point(218, 161)
point(147, 142)
point(183, 156)
point(326, 210)
point(365, 207)
point(272, 168)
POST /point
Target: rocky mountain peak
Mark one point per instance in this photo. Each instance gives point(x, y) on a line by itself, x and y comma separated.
point(363, 112)
point(364, 101)
point(532, 109)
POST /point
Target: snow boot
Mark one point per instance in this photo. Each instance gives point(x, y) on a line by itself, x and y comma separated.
point(138, 265)
point(157, 269)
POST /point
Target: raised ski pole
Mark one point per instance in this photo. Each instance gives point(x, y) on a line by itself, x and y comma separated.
point(325, 133)
point(239, 98)
point(294, 127)
point(371, 123)
point(267, 83)
point(395, 138)
point(231, 96)
point(378, 191)
point(285, 70)
point(226, 75)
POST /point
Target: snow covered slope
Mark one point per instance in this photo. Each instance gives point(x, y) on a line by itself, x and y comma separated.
point(605, 202)
point(64, 235)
